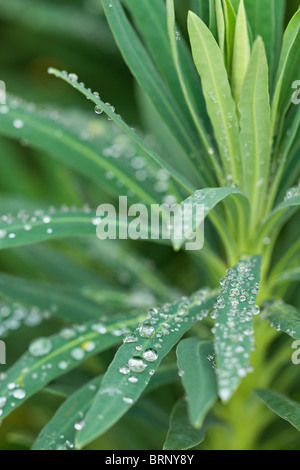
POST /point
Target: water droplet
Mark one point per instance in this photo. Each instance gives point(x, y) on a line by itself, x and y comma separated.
point(98, 110)
point(130, 338)
point(79, 426)
point(127, 400)
point(136, 364)
point(124, 369)
point(19, 394)
point(18, 123)
point(40, 347)
point(77, 354)
point(146, 330)
point(2, 402)
point(3, 234)
point(133, 379)
point(73, 77)
point(150, 355)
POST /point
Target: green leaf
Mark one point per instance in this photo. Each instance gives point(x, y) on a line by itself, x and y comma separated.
point(213, 27)
point(42, 225)
point(220, 104)
point(230, 23)
point(26, 228)
point(195, 359)
point(144, 71)
point(62, 20)
point(241, 52)
point(287, 409)
point(284, 318)
point(234, 324)
point(69, 417)
point(48, 358)
point(209, 198)
point(106, 107)
point(255, 124)
point(205, 139)
point(71, 142)
point(266, 18)
point(73, 304)
point(156, 338)
point(14, 315)
point(279, 216)
point(288, 71)
point(201, 8)
point(221, 26)
point(289, 275)
point(63, 302)
point(150, 20)
point(181, 434)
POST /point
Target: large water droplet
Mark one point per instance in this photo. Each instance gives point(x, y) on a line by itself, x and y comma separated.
point(136, 364)
point(150, 355)
point(40, 347)
point(146, 330)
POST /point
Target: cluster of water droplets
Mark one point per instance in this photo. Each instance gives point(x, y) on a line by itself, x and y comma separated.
point(25, 221)
point(127, 153)
point(13, 316)
point(233, 330)
point(77, 343)
point(292, 192)
point(151, 338)
point(283, 317)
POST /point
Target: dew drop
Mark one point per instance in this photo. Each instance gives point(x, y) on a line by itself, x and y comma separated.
point(150, 355)
point(130, 338)
point(98, 110)
point(127, 400)
point(146, 330)
point(124, 369)
point(19, 394)
point(136, 364)
point(40, 347)
point(18, 123)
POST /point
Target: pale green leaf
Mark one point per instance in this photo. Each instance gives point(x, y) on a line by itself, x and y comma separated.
point(116, 394)
point(283, 317)
point(48, 358)
point(220, 104)
point(195, 359)
point(234, 315)
point(241, 52)
point(287, 409)
point(181, 434)
point(255, 124)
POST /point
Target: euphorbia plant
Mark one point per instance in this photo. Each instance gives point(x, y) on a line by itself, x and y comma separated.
point(227, 137)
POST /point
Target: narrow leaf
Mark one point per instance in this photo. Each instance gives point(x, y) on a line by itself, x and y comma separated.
point(241, 52)
point(105, 107)
point(155, 339)
point(287, 409)
point(220, 104)
point(255, 124)
point(208, 198)
point(195, 359)
point(288, 70)
point(284, 318)
point(234, 324)
point(48, 358)
point(181, 434)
